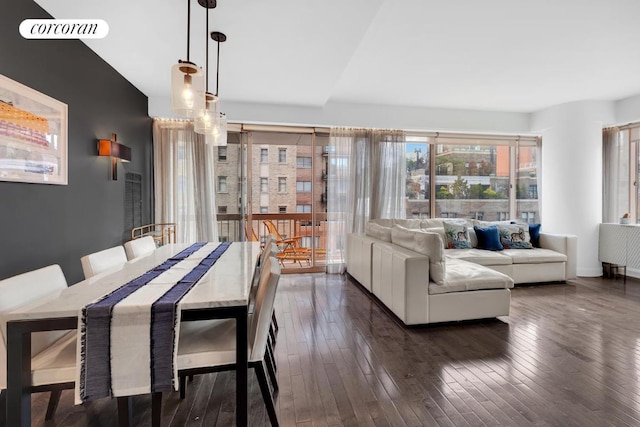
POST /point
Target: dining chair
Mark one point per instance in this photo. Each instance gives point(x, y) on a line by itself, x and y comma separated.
point(107, 259)
point(53, 353)
point(137, 248)
point(210, 346)
point(290, 248)
point(271, 250)
point(291, 244)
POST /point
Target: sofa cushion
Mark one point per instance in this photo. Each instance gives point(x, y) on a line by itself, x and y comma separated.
point(430, 244)
point(390, 222)
point(456, 235)
point(431, 223)
point(534, 256)
point(464, 276)
point(385, 222)
point(515, 236)
point(402, 236)
point(488, 238)
point(425, 243)
point(408, 223)
point(480, 256)
point(378, 231)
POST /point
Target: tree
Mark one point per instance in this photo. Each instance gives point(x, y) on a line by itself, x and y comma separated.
point(522, 191)
point(460, 188)
point(443, 193)
point(413, 189)
point(491, 194)
point(472, 170)
point(485, 169)
point(475, 191)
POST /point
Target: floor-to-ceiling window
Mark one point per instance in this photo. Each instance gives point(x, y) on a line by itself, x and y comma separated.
point(621, 174)
point(418, 190)
point(286, 194)
point(483, 177)
point(527, 178)
point(279, 177)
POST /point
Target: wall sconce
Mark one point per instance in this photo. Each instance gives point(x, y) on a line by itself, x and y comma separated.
point(109, 147)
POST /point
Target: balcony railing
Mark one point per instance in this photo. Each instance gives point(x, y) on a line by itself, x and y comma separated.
point(298, 225)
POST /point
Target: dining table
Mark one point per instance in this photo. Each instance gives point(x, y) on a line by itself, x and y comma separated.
point(223, 292)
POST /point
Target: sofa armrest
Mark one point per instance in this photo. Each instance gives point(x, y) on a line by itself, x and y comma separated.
point(358, 257)
point(565, 244)
point(400, 279)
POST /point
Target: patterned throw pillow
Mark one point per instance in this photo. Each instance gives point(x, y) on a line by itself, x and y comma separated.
point(456, 235)
point(515, 236)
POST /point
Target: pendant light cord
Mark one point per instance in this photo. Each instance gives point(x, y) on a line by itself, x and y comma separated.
point(218, 68)
point(188, 27)
point(207, 51)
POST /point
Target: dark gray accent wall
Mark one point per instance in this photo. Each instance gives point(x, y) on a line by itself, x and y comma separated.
point(52, 224)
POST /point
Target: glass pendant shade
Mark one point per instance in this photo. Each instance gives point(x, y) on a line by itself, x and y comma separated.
point(218, 136)
point(204, 124)
point(187, 90)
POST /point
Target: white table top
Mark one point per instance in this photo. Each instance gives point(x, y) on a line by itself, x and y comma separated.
point(226, 284)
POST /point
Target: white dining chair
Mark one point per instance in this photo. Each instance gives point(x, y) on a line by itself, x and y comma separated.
point(137, 248)
point(53, 354)
point(211, 346)
point(107, 259)
point(270, 249)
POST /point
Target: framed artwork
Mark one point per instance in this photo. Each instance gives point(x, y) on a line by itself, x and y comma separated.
point(33, 135)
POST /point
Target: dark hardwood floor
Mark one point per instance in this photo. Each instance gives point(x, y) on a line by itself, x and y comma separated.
point(568, 355)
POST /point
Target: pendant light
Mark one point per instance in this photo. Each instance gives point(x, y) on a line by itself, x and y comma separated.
point(206, 122)
point(219, 135)
point(187, 82)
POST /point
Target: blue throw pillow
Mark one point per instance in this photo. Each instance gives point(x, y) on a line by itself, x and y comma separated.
point(534, 232)
point(488, 238)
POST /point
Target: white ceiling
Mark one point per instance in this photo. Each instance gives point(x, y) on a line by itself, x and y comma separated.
point(501, 55)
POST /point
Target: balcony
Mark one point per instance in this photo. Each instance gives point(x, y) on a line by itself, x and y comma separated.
point(288, 225)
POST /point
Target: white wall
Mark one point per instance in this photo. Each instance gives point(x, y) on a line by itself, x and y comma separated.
point(363, 115)
point(627, 110)
point(572, 173)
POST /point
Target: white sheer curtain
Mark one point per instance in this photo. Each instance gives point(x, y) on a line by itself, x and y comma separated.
point(366, 180)
point(615, 199)
point(184, 181)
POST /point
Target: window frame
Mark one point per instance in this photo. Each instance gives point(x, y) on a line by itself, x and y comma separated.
point(222, 158)
point(301, 162)
point(222, 181)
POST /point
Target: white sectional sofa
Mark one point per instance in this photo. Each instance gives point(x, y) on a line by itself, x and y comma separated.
point(424, 283)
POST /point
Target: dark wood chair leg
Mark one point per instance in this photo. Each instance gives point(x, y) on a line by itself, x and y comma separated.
point(266, 394)
point(274, 320)
point(272, 334)
point(125, 411)
point(183, 386)
point(54, 399)
point(271, 371)
point(156, 409)
point(273, 358)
